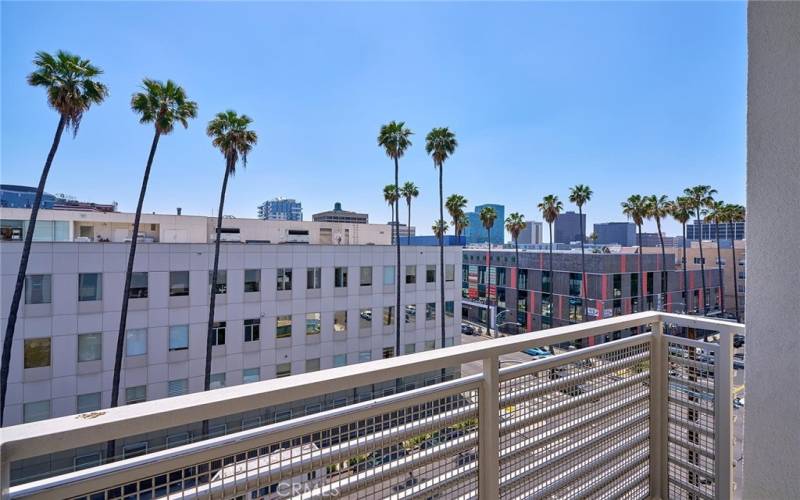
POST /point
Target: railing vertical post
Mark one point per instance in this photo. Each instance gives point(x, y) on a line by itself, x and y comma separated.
point(5, 476)
point(659, 430)
point(489, 430)
point(723, 417)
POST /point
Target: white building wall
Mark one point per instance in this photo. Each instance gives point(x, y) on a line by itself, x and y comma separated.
point(772, 437)
point(65, 317)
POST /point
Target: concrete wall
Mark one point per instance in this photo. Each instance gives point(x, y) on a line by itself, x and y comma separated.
point(772, 434)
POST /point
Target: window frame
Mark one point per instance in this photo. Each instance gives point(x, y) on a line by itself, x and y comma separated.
point(170, 337)
point(47, 349)
point(174, 291)
point(283, 279)
point(252, 330)
point(252, 285)
point(44, 288)
point(99, 346)
point(98, 287)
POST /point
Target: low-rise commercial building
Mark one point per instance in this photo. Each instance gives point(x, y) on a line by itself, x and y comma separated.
point(341, 216)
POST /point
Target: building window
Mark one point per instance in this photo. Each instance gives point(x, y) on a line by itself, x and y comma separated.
point(366, 276)
point(313, 324)
point(283, 326)
point(252, 330)
point(312, 365)
point(449, 309)
point(698, 260)
point(522, 279)
point(339, 360)
point(365, 318)
point(547, 308)
point(430, 274)
point(634, 285)
point(90, 347)
point(575, 310)
point(575, 282)
point(410, 348)
point(546, 281)
point(448, 341)
point(388, 275)
point(217, 380)
point(138, 286)
point(177, 387)
point(136, 394)
point(430, 345)
point(178, 283)
point(314, 278)
point(90, 287)
point(340, 277)
point(250, 375)
point(134, 449)
point(282, 415)
point(33, 412)
point(388, 315)
point(449, 272)
point(340, 321)
point(411, 314)
point(88, 402)
point(136, 342)
point(86, 461)
point(430, 311)
point(222, 281)
point(252, 280)
point(364, 356)
point(178, 439)
point(283, 370)
point(411, 275)
point(284, 279)
point(38, 289)
point(217, 430)
point(179, 337)
point(500, 278)
point(388, 352)
point(218, 333)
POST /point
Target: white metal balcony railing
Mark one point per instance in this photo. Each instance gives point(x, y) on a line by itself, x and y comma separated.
point(648, 415)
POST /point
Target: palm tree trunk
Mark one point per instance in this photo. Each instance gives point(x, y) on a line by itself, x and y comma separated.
point(664, 274)
point(702, 261)
point(123, 318)
point(23, 267)
point(397, 246)
point(640, 282)
point(213, 291)
point(441, 250)
point(550, 285)
point(686, 300)
point(408, 229)
point(583, 262)
point(489, 284)
point(735, 271)
point(719, 272)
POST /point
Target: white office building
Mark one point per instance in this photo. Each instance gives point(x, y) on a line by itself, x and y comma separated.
point(281, 310)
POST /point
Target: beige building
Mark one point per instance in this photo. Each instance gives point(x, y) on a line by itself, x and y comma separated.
point(66, 225)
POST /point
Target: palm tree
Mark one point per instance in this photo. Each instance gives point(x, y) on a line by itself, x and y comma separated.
point(72, 87)
point(162, 104)
point(440, 227)
point(659, 208)
point(734, 214)
point(716, 214)
point(579, 195)
point(515, 224)
point(488, 215)
point(680, 211)
point(395, 139)
point(550, 207)
point(636, 207)
point(441, 143)
point(455, 205)
point(700, 196)
point(390, 196)
point(230, 134)
point(593, 237)
point(409, 191)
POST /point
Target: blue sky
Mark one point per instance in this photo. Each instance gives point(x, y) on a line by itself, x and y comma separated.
point(626, 97)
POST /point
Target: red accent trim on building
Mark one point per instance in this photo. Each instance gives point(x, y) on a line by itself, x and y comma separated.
point(514, 271)
point(623, 263)
point(530, 322)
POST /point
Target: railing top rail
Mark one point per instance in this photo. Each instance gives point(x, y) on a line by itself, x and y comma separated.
point(702, 322)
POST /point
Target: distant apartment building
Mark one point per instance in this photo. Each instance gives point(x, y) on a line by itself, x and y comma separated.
point(528, 299)
point(615, 233)
point(281, 310)
point(652, 240)
point(406, 232)
point(532, 234)
point(708, 231)
point(476, 233)
point(567, 227)
point(341, 216)
point(65, 225)
point(281, 209)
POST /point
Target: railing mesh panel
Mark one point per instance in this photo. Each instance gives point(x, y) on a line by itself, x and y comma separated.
point(578, 430)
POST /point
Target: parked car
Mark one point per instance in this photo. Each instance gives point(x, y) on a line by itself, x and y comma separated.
point(738, 402)
point(536, 352)
point(738, 340)
point(467, 329)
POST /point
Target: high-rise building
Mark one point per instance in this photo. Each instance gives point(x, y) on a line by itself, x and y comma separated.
point(567, 227)
point(708, 231)
point(532, 234)
point(339, 215)
point(281, 209)
point(281, 310)
point(615, 233)
point(476, 233)
point(13, 196)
